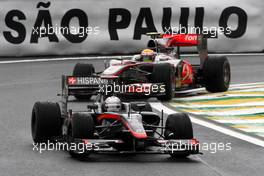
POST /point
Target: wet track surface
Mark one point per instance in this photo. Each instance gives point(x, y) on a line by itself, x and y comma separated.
point(22, 84)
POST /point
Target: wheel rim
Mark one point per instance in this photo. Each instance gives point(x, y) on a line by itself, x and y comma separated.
point(226, 75)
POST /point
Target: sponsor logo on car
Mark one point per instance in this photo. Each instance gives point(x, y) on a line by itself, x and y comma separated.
point(86, 81)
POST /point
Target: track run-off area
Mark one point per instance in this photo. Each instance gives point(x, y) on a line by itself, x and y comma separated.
point(242, 107)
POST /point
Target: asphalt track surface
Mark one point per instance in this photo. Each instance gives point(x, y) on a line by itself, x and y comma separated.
point(22, 84)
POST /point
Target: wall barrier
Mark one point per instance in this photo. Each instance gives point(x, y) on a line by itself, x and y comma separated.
point(67, 27)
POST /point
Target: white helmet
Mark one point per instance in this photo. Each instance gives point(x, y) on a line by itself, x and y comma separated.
point(112, 104)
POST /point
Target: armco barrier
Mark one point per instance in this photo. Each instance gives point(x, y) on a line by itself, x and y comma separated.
point(66, 27)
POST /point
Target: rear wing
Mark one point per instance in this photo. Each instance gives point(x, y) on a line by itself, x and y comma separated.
point(81, 85)
point(161, 41)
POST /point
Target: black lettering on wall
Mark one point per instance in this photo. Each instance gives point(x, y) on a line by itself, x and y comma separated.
point(66, 29)
point(242, 21)
point(199, 19)
point(166, 20)
point(184, 20)
point(144, 15)
point(113, 24)
point(16, 26)
point(43, 17)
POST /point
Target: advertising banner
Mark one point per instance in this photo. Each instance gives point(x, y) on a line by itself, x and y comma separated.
point(69, 27)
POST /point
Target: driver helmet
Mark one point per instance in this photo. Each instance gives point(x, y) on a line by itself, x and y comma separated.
point(147, 55)
point(112, 104)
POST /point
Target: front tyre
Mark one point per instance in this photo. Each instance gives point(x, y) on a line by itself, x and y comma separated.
point(178, 126)
point(82, 127)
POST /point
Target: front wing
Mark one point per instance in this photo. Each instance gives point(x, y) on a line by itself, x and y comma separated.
point(161, 146)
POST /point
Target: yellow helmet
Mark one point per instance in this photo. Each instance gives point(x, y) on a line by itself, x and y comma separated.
point(147, 55)
point(147, 52)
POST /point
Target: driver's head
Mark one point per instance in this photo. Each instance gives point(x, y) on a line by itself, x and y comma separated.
point(147, 55)
point(112, 104)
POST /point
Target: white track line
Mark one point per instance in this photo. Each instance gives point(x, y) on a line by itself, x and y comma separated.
point(159, 106)
point(61, 59)
point(241, 122)
point(227, 54)
point(110, 57)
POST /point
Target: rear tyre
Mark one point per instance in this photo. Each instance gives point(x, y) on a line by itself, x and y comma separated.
point(163, 73)
point(82, 127)
point(178, 126)
point(45, 121)
point(217, 74)
point(83, 69)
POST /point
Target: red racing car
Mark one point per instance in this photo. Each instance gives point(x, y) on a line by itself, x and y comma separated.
point(159, 70)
